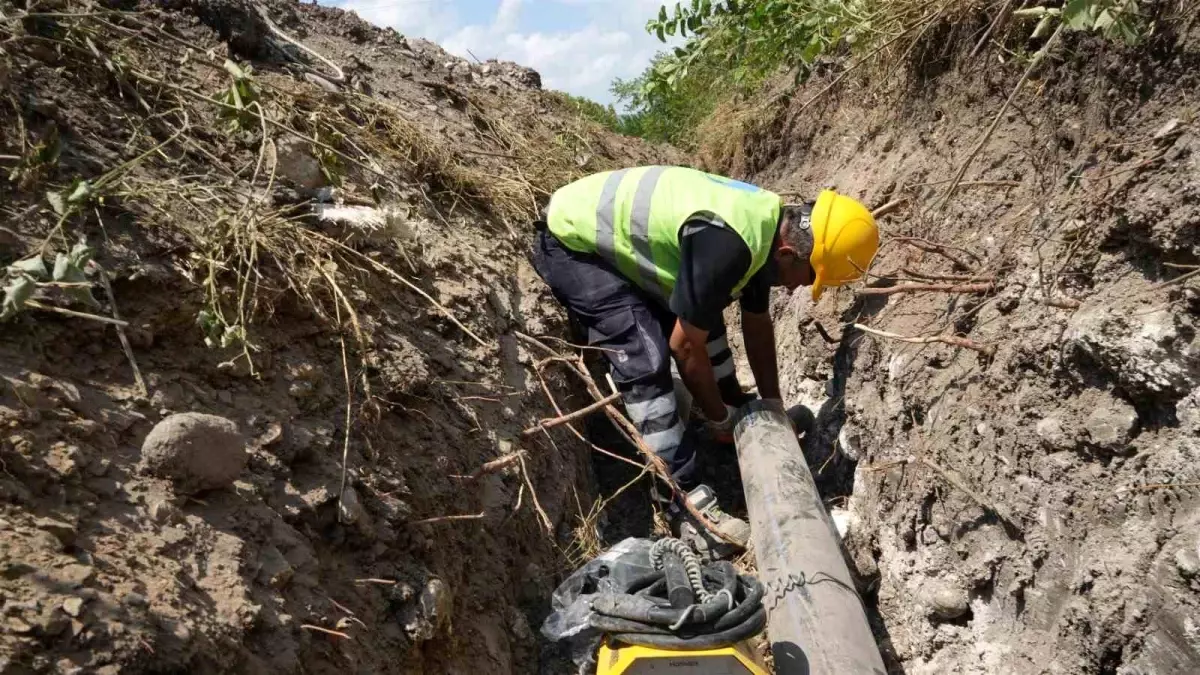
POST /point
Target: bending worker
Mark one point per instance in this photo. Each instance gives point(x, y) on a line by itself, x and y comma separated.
point(646, 259)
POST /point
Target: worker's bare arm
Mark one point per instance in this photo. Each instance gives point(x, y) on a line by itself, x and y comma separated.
point(689, 345)
point(759, 333)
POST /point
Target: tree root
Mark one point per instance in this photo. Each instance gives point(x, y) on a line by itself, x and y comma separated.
point(953, 340)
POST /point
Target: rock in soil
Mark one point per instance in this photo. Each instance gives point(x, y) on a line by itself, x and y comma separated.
point(196, 451)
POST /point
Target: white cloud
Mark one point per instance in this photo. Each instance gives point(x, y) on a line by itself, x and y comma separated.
point(581, 60)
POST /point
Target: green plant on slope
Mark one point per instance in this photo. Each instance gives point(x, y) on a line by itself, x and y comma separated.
point(733, 45)
point(1114, 19)
point(238, 97)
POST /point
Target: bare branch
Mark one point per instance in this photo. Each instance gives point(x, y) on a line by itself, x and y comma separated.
point(953, 340)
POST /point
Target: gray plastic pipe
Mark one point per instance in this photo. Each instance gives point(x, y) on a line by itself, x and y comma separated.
point(815, 618)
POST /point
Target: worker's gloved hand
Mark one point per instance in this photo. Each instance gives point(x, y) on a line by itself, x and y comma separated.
point(722, 430)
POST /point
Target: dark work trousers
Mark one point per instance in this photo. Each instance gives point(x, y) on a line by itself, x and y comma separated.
point(633, 329)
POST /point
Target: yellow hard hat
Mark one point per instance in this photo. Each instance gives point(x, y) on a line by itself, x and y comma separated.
point(845, 240)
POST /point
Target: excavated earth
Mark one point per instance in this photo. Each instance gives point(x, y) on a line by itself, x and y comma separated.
point(320, 237)
point(1033, 507)
point(326, 284)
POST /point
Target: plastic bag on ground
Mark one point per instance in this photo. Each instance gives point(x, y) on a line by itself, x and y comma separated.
point(610, 572)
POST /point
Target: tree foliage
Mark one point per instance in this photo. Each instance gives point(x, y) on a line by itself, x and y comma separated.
point(732, 45)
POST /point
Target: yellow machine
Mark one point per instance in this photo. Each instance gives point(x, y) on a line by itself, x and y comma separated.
point(623, 660)
point(646, 607)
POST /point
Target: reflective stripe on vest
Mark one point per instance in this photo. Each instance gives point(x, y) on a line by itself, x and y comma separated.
point(638, 232)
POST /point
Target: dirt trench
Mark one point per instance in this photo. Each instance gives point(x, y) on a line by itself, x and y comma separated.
point(1030, 505)
point(338, 270)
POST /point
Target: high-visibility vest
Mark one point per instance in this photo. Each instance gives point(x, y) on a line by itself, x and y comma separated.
point(632, 217)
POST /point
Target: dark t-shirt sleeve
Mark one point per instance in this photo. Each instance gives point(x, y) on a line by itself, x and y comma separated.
point(712, 260)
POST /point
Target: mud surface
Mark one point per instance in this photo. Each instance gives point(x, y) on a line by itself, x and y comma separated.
point(124, 550)
point(1033, 508)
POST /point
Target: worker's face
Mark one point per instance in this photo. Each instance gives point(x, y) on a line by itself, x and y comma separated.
point(794, 269)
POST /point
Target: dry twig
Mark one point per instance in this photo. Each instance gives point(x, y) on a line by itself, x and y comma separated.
point(889, 207)
point(326, 631)
point(112, 300)
point(1150, 487)
point(493, 466)
point(545, 519)
point(953, 340)
point(985, 287)
point(78, 315)
point(938, 248)
point(442, 519)
point(570, 417)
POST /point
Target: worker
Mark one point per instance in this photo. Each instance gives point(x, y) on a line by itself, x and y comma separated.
point(646, 259)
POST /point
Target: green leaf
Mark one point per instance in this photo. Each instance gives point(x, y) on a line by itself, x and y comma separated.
point(81, 255)
point(658, 30)
point(1078, 14)
point(16, 294)
point(234, 70)
point(662, 14)
point(81, 191)
point(1043, 28)
point(64, 270)
point(58, 202)
point(33, 267)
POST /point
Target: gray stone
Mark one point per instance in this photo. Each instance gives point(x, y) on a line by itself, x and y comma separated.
point(63, 531)
point(163, 511)
point(73, 575)
point(352, 510)
point(104, 487)
point(431, 611)
point(196, 451)
point(1148, 353)
point(274, 570)
point(1187, 561)
point(1111, 425)
point(73, 606)
point(945, 601)
point(1050, 430)
point(1167, 129)
point(1188, 412)
point(132, 599)
point(298, 164)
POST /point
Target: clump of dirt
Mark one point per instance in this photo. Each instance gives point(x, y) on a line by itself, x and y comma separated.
point(1029, 505)
point(333, 265)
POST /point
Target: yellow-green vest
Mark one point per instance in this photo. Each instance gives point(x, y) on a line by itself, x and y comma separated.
point(632, 218)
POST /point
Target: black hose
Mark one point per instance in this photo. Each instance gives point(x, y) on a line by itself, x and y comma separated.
point(641, 613)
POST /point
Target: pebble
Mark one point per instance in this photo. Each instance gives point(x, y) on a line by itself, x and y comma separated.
point(104, 487)
point(134, 600)
point(74, 575)
point(73, 606)
point(196, 451)
point(163, 511)
point(947, 602)
point(1050, 430)
point(1187, 561)
point(63, 531)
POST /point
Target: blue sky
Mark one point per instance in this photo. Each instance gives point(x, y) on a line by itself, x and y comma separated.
point(578, 46)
